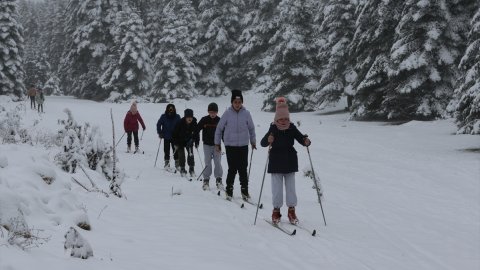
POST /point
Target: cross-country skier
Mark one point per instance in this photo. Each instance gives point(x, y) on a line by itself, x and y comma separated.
point(185, 138)
point(283, 160)
point(130, 124)
point(207, 125)
point(165, 126)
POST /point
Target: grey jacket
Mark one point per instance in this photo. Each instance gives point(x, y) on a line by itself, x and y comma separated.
point(237, 128)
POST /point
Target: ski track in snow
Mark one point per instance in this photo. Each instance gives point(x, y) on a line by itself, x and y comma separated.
point(396, 197)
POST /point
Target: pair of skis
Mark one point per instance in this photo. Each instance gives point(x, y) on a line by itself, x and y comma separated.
point(284, 229)
point(242, 202)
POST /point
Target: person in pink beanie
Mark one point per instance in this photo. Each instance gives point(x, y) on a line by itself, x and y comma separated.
point(283, 160)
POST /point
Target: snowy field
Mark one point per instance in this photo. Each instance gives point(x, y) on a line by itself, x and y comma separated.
point(396, 197)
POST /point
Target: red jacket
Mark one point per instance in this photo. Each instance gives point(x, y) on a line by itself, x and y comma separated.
point(131, 121)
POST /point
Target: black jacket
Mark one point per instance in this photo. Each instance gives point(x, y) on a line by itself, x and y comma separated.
point(208, 126)
point(283, 157)
point(185, 135)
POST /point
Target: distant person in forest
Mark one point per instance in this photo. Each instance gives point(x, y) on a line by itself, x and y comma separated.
point(130, 124)
point(208, 125)
point(31, 93)
point(185, 137)
point(283, 160)
point(165, 126)
point(40, 99)
point(237, 130)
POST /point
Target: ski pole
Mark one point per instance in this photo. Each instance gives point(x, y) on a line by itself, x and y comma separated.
point(263, 180)
point(142, 135)
point(316, 185)
point(250, 166)
point(158, 150)
point(201, 173)
point(120, 139)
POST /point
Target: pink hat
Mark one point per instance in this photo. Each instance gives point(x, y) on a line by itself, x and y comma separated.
point(133, 108)
point(281, 110)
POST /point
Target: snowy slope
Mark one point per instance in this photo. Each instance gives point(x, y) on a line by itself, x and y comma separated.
point(396, 197)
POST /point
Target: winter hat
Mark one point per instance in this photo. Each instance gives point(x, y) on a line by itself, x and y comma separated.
point(281, 111)
point(212, 107)
point(236, 94)
point(188, 113)
point(170, 106)
point(133, 108)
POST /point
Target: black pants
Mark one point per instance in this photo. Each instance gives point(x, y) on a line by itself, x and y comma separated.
point(40, 106)
point(190, 158)
point(167, 144)
point(135, 138)
point(32, 102)
point(237, 159)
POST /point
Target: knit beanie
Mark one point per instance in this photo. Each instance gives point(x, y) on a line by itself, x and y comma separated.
point(236, 94)
point(133, 108)
point(212, 107)
point(281, 110)
point(188, 113)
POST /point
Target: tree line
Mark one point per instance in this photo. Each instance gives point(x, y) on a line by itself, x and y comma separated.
point(409, 59)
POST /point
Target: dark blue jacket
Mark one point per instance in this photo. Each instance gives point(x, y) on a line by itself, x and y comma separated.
point(283, 157)
point(166, 124)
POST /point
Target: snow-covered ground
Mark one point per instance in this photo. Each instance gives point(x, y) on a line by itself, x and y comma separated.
point(396, 197)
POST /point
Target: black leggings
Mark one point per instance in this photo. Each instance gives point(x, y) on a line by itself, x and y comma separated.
point(167, 144)
point(237, 159)
point(135, 137)
point(32, 102)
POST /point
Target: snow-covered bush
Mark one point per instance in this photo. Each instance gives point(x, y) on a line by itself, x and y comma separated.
point(307, 172)
point(10, 125)
point(79, 246)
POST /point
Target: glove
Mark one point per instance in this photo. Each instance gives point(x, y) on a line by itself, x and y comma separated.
point(218, 148)
point(189, 143)
point(254, 146)
point(160, 136)
point(307, 142)
point(196, 145)
point(176, 147)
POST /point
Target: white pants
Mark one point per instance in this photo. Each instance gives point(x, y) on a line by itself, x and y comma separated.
point(277, 189)
point(209, 153)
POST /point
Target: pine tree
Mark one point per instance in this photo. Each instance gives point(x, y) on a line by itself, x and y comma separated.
point(259, 26)
point(130, 71)
point(291, 68)
point(219, 31)
point(467, 104)
point(337, 30)
point(175, 75)
point(423, 56)
point(88, 51)
point(369, 54)
point(11, 49)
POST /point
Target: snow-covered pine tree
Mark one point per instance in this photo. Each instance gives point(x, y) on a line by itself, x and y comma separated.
point(130, 73)
point(259, 26)
point(218, 34)
point(11, 50)
point(292, 69)
point(369, 54)
point(467, 103)
point(88, 49)
point(53, 36)
point(423, 57)
point(153, 29)
point(337, 30)
point(176, 72)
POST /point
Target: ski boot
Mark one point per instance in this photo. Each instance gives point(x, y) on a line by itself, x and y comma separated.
point(177, 166)
point(291, 215)
point(183, 172)
point(167, 164)
point(219, 183)
point(205, 184)
point(191, 171)
point(229, 193)
point(129, 148)
point(276, 215)
point(245, 195)
point(136, 149)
